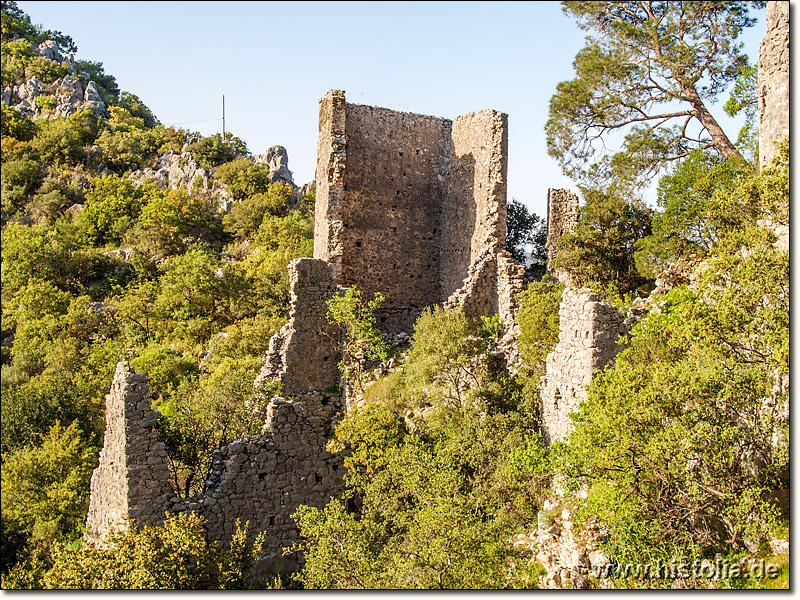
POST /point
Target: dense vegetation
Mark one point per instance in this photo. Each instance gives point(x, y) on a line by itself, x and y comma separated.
point(681, 450)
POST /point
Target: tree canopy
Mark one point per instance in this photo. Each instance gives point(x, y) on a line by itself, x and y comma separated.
point(648, 73)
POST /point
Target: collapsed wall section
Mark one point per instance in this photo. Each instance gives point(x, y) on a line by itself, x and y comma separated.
point(132, 479)
point(261, 480)
point(587, 342)
point(773, 82)
point(304, 354)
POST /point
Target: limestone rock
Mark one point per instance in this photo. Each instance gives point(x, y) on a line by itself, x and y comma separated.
point(277, 159)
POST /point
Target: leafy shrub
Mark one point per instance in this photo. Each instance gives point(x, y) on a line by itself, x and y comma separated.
point(173, 556)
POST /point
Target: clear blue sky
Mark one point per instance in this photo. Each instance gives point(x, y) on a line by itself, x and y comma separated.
point(274, 60)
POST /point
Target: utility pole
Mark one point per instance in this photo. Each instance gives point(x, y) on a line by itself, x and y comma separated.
point(223, 116)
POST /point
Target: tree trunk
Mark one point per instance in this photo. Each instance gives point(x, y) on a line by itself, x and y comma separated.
point(721, 141)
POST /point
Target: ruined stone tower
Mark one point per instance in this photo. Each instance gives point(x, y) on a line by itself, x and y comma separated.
point(413, 206)
point(562, 217)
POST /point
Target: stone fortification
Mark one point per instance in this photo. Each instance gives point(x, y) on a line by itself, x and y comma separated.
point(132, 480)
point(773, 82)
point(304, 353)
point(587, 341)
point(261, 480)
point(411, 205)
point(562, 217)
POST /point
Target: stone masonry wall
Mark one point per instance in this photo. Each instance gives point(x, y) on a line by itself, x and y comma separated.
point(261, 480)
point(303, 354)
point(562, 217)
point(132, 479)
point(587, 341)
point(773, 82)
point(408, 204)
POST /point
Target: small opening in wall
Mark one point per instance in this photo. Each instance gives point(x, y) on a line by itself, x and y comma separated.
point(325, 358)
point(383, 319)
point(411, 276)
point(317, 478)
point(358, 244)
point(394, 229)
point(417, 151)
point(326, 399)
point(401, 154)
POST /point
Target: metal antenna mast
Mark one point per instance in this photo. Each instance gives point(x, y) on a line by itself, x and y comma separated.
point(223, 115)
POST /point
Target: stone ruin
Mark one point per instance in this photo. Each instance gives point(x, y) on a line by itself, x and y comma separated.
point(773, 82)
point(411, 206)
point(408, 205)
point(562, 217)
point(414, 207)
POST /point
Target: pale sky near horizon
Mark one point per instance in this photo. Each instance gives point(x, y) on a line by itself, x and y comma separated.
point(273, 61)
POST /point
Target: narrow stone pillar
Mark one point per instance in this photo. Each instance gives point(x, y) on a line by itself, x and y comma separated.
point(132, 480)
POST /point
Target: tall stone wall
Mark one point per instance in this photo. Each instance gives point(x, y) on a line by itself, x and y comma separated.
point(773, 82)
point(304, 354)
point(474, 207)
point(408, 204)
point(132, 479)
point(587, 341)
point(562, 217)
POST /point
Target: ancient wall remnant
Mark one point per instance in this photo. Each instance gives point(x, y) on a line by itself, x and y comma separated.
point(773, 82)
point(132, 480)
point(587, 341)
point(411, 206)
point(304, 353)
point(261, 480)
point(408, 205)
point(562, 217)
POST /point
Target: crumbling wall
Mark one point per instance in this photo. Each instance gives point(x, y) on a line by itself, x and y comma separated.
point(773, 82)
point(587, 342)
point(261, 480)
point(132, 479)
point(304, 353)
point(408, 205)
point(562, 217)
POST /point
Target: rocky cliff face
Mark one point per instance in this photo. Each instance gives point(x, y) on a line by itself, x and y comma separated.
point(66, 95)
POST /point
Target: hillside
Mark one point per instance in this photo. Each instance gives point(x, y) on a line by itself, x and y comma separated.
point(405, 410)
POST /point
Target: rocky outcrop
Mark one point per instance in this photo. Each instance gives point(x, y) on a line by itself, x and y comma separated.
point(569, 551)
point(277, 159)
point(182, 171)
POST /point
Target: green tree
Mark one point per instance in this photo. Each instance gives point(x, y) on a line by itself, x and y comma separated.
point(363, 343)
point(600, 254)
point(523, 228)
point(683, 226)
point(538, 320)
point(13, 124)
point(446, 359)
point(45, 493)
point(648, 72)
point(685, 438)
point(215, 150)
